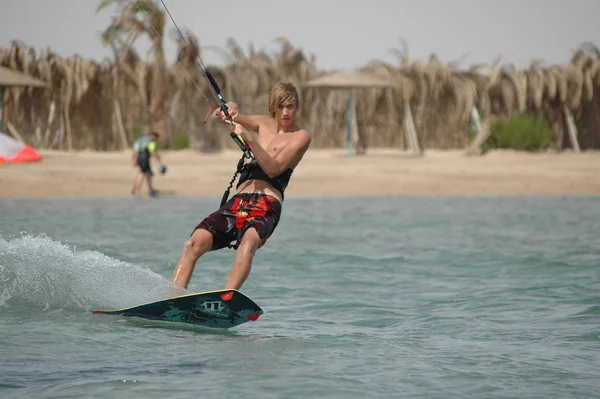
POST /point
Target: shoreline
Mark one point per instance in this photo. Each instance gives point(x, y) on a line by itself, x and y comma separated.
point(322, 172)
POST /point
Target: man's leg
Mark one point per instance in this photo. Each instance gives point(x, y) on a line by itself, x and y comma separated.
point(243, 259)
point(137, 182)
point(199, 244)
point(151, 190)
point(133, 183)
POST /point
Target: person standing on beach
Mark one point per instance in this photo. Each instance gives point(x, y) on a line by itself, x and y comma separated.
point(249, 218)
point(143, 149)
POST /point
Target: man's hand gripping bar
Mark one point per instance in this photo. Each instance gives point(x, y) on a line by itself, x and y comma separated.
point(223, 106)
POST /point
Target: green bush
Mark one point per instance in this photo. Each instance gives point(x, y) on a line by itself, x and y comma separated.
point(520, 132)
point(181, 140)
point(471, 133)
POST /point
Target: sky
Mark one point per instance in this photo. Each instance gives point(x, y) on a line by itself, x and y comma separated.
point(341, 34)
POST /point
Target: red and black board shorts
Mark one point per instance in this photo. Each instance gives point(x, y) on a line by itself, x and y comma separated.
point(236, 216)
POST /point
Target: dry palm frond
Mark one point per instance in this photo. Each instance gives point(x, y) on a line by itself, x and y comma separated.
point(188, 48)
point(562, 84)
point(437, 75)
point(535, 85)
point(454, 65)
point(514, 82)
point(575, 81)
point(289, 54)
point(595, 72)
point(588, 85)
point(235, 50)
point(591, 49)
point(465, 94)
point(550, 83)
point(287, 63)
point(402, 54)
point(579, 59)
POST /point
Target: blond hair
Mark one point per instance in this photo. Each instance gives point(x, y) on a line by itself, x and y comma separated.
point(281, 93)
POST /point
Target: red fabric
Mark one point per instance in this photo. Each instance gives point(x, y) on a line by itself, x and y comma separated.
point(27, 154)
point(12, 151)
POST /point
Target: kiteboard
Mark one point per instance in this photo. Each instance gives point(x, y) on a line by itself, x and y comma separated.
point(214, 309)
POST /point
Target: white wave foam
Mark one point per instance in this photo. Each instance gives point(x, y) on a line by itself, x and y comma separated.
point(40, 271)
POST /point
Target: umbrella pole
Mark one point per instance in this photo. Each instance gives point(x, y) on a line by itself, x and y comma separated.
point(349, 112)
point(1, 107)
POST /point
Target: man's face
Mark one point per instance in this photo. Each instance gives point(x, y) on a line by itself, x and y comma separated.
point(285, 113)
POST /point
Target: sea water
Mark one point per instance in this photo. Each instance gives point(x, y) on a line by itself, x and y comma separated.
point(364, 297)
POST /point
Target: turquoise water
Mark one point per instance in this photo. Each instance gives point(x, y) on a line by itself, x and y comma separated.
point(403, 297)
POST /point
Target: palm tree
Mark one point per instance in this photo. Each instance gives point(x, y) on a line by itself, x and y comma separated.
point(137, 18)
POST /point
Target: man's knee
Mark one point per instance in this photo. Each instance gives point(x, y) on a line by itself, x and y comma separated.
point(200, 243)
point(250, 241)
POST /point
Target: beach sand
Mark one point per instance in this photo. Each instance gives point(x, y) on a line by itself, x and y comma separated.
point(323, 172)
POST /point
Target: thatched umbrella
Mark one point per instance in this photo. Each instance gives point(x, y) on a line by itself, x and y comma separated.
point(350, 79)
point(12, 78)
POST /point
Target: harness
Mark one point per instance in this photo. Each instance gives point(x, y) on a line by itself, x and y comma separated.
point(241, 165)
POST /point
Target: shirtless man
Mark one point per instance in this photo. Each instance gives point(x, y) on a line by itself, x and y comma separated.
point(252, 214)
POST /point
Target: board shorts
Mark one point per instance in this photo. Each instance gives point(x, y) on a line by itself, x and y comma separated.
point(236, 216)
point(144, 164)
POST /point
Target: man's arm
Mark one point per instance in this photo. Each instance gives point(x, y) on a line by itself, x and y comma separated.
point(153, 148)
point(157, 156)
point(249, 122)
point(288, 157)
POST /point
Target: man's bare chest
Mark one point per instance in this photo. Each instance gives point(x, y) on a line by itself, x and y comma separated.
point(275, 143)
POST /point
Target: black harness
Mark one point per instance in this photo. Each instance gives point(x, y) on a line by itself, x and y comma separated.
point(241, 165)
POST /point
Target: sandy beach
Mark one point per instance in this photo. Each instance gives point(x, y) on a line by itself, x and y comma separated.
point(321, 173)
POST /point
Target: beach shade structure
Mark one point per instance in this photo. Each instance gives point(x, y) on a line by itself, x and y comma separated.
point(12, 78)
point(12, 151)
point(348, 80)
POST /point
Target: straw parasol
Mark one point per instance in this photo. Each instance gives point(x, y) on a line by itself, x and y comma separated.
point(348, 80)
point(12, 78)
point(9, 77)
